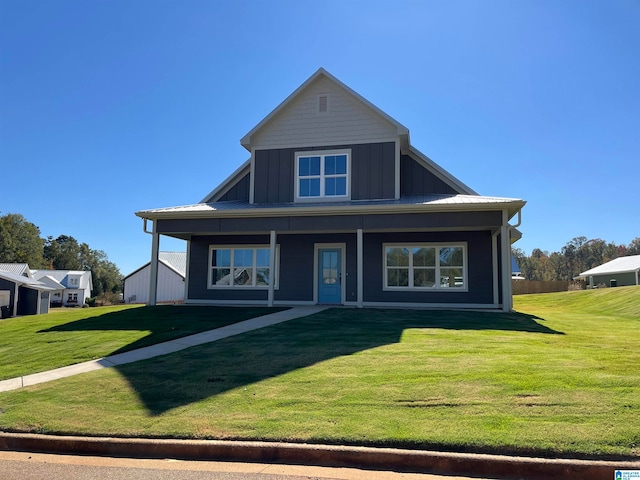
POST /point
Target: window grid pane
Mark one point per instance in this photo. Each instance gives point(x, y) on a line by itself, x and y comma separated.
point(314, 166)
point(451, 257)
point(222, 276)
point(398, 277)
point(303, 166)
point(424, 277)
point(262, 276)
point(397, 256)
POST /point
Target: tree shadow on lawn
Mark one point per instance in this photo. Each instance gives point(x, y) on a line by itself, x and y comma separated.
point(163, 322)
point(204, 371)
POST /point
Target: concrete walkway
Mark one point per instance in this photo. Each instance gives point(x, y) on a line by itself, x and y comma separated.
point(161, 348)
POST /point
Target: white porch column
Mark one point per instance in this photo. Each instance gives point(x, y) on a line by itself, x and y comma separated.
point(186, 275)
point(360, 273)
point(494, 268)
point(153, 280)
point(16, 289)
point(505, 243)
point(272, 267)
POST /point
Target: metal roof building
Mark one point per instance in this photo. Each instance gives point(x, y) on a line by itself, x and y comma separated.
point(172, 270)
point(621, 271)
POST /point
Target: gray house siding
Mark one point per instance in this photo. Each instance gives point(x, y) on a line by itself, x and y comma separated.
point(28, 299)
point(471, 220)
point(240, 191)
point(296, 267)
point(372, 172)
point(7, 285)
point(622, 279)
point(479, 268)
point(274, 173)
point(417, 180)
point(199, 269)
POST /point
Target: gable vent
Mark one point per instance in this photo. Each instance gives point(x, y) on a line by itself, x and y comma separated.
point(323, 103)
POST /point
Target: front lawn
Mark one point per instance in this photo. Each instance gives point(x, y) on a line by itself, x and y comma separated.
point(66, 336)
point(559, 378)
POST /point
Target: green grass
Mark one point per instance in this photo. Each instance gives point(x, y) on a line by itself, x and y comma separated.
point(66, 336)
point(560, 378)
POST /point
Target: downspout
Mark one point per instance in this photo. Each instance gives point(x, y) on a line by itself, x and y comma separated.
point(519, 219)
point(360, 267)
point(505, 249)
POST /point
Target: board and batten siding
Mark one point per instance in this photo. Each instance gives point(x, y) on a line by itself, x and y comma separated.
point(345, 121)
point(170, 285)
point(372, 175)
point(417, 180)
point(239, 191)
point(479, 268)
point(199, 269)
point(296, 267)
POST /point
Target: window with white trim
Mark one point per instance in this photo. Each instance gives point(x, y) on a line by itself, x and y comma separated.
point(241, 266)
point(322, 175)
point(425, 266)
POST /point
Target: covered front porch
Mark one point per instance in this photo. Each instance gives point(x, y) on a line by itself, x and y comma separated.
point(344, 266)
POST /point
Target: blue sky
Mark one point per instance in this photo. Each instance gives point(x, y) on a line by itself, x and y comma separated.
point(110, 107)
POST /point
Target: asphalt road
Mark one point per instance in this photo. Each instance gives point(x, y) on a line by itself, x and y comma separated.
point(37, 466)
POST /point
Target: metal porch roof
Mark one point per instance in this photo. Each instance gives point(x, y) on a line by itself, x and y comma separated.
point(433, 202)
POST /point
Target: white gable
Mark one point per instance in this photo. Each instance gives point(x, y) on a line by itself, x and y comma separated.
point(324, 112)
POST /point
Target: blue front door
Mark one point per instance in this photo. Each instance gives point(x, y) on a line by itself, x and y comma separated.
point(330, 275)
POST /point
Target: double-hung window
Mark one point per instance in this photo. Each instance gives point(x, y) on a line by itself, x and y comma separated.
point(241, 266)
point(322, 175)
point(425, 266)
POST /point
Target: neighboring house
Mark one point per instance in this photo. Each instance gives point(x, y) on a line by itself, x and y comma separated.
point(20, 294)
point(619, 272)
point(70, 287)
point(172, 268)
point(21, 269)
point(335, 206)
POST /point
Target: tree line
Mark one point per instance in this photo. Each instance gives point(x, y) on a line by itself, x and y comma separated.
point(577, 256)
point(20, 242)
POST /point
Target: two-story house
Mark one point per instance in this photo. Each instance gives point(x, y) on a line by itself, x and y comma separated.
point(70, 288)
point(335, 206)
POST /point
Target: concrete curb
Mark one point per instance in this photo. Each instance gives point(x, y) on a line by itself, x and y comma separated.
point(371, 458)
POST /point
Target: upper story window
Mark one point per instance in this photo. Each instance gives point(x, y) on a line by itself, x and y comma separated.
point(322, 176)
